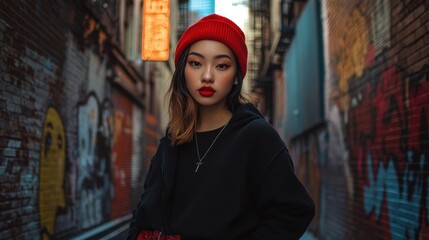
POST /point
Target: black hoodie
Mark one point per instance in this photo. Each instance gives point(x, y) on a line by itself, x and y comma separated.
point(245, 189)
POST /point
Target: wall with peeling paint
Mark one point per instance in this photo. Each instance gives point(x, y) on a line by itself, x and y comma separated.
point(73, 138)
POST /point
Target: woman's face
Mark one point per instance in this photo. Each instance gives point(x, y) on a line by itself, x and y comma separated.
point(210, 72)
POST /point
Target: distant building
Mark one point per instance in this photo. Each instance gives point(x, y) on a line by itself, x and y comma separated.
point(199, 9)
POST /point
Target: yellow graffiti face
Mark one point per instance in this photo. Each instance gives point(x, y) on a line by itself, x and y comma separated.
point(52, 167)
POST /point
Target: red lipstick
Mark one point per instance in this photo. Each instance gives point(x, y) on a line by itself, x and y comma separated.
point(206, 91)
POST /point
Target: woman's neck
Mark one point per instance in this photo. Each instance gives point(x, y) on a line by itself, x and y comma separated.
point(210, 119)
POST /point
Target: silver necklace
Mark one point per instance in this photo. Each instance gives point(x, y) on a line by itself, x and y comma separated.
point(200, 159)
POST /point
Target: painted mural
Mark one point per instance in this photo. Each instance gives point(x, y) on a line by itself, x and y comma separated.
point(389, 143)
point(378, 90)
point(94, 172)
point(51, 172)
point(62, 168)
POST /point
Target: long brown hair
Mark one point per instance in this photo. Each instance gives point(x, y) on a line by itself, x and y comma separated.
point(183, 109)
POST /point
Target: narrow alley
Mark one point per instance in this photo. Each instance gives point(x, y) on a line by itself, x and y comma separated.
point(82, 108)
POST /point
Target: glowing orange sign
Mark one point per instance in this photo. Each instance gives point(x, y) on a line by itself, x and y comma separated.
point(156, 30)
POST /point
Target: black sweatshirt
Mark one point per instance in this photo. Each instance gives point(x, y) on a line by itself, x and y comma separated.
point(246, 187)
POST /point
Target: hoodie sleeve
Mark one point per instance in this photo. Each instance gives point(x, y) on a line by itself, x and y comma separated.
point(133, 230)
point(284, 206)
point(286, 209)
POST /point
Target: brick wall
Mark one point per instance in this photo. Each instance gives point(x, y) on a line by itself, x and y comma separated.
point(66, 103)
point(374, 179)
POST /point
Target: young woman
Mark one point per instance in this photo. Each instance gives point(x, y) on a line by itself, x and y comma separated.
point(221, 172)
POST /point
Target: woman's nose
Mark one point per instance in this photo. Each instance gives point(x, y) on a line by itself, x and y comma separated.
point(207, 75)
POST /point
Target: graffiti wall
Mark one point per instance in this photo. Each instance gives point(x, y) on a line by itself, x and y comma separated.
point(69, 136)
point(375, 178)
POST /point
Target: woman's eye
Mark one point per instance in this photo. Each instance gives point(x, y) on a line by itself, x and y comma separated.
point(223, 66)
point(194, 64)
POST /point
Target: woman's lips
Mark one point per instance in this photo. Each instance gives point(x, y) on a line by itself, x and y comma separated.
point(206, 91)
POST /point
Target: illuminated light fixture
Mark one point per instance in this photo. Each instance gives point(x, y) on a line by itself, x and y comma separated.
point(156, 30)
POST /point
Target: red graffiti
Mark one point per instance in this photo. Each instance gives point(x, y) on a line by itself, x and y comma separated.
point(388, 122)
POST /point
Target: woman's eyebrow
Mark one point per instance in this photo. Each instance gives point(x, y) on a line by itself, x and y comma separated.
point(196, 54)
point(216, 57)
point(223, 56)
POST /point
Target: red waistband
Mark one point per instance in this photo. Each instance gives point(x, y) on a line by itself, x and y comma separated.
point(156, 235)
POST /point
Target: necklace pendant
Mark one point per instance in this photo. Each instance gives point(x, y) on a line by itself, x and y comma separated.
point(200, 159)
point(199, 163)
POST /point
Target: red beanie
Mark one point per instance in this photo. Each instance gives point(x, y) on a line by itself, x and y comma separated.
point(218, 28)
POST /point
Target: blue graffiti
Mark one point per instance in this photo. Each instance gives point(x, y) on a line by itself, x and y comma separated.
point(403, 201)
